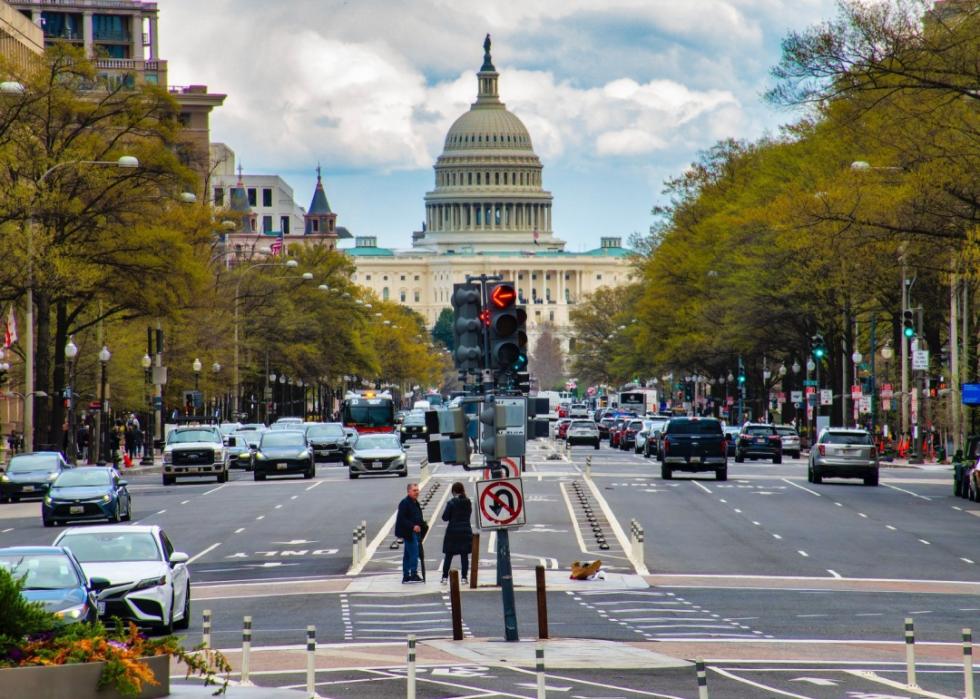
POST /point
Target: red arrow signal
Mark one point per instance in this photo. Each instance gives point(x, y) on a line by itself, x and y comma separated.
point(503, 295)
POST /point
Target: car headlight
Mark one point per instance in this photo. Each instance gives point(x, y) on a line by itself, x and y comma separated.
point(4, 478)
point(305, 454)
point(168, 457)
point(47, 499)
point(403, 428)
point(400, 459)
point(260, 456)
point(424, 428)
point(147, 583)
point(73, 612)
point(351, 459)
point(106, 499)
point(52, 476)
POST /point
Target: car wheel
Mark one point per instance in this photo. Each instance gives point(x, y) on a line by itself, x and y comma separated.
point(597, 444)
point(353, 476)
point(48, 522)
point(666, 473)
point(777, 459)
point(185, 621)
point(258, 476)
point(721, 474)
point(817, 478)
point(308, 474)
point(223, 477)
point(809, 474)
point(403, 474)
point(15, 498)
point(168, 480)
point(739, 459)
point(872, 479)
point(796, 454)
point(129, 511)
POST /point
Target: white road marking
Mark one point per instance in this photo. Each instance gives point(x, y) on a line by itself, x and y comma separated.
point(834, 573)
point(756, 523)
point(571, 516)
point(776, 536)
point(215, 489)
point(278, 507)
point(184, 502)
point(9, 529)
point(701, 487)
point(804, 554)
point(260, 517)
point(294, 497)
point(161, 512)
point(723, 500)
point(958, 508)
point(209, 549)
point(240, 530)
point(797, 485)
point(907, 492)
point(965, 560)
point(861, 514)
point(758, 685)
point(617, 529)
point(839, 504)
point(888, 526)
point(924, 542)
point(866, 675)
point(314, 485)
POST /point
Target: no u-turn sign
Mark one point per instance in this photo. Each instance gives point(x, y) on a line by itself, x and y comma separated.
point(500, 503)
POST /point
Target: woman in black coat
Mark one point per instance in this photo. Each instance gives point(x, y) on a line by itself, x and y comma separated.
point(459, 533)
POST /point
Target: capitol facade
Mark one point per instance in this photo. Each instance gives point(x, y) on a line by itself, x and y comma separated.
point(488, 213)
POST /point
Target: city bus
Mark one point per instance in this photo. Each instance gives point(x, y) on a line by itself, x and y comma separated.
point(368, 411)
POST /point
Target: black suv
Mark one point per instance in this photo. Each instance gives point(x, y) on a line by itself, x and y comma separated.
point(758, 440)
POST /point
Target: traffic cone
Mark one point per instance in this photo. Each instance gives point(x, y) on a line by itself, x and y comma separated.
point(127, 461)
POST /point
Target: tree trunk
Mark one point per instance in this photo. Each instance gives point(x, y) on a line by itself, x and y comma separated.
point(42, 373)
point(58, 435)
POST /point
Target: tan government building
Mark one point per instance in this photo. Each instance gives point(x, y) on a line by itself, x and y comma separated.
point(489, 214)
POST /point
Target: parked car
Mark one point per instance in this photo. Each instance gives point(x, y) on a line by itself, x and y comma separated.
point(583, 432)
point(195, 451)
point(413, 426)
point(328, 441)
point(758, 440)
point(964, 465)
point(228, 428)
point(789, 440)
point(283, 452)
point(149, 583)
point(29, 475)
point(843, 453)
point(377, 454)
point(54, 578)
point(695, 444)
point(86, 494)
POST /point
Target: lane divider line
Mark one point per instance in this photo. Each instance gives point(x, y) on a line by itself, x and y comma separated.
point(209, 549)
point(571, 516)
point(624, 543)
point(797, 485)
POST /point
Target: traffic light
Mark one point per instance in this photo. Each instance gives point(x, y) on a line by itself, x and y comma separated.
point(447, 439)
point(520, 365)
point(818, 347)
point(503, 424)
point(503, 324)
point(467, 327)
point(944, 355)
point(908, 325)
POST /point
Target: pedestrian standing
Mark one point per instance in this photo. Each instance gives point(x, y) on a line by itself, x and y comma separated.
point(409, 525)
point(83, 439)
point(459, 533)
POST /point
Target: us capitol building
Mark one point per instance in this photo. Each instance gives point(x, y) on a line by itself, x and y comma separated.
point(488, 214)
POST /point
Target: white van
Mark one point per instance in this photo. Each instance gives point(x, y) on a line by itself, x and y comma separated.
point(421, 405)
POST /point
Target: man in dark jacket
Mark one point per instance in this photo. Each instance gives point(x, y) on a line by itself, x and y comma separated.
point(408, 528)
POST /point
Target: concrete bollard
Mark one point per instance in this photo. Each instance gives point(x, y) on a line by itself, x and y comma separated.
point(539, 669)
point(475, 560)
point(424, 473)
point(588, 467)
point(355, 547)
point(542, 596)
point(410, 677)
point(363, 539)
point(910, 652)
point(702, 678)
point(246, 648)
point(311, 661)
point(968, 664)
point(456, 605)
point(206, 628)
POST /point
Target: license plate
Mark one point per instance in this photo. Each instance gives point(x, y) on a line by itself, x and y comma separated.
point(760, 440)
point(76, 509)
point(28, 488)
point(281, 467)
point(377, 464)
point(100, 607)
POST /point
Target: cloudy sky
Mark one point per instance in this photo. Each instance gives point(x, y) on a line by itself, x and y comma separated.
point(617, 95)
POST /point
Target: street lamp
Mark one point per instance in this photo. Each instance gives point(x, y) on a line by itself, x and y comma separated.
point(103, 437)
point(147, 362)
point(196, 366)
point(71, 351)
point(216, 369)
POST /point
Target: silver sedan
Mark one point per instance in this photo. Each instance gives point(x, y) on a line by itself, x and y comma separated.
point(843, 453)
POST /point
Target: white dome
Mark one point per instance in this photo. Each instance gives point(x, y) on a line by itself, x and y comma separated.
point(488, 127)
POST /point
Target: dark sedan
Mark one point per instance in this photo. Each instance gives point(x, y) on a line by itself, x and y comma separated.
point(413, 426)
point(86, 494)
point(29, 475)
point(283, 452)
point(328, 441)
point(54, 579)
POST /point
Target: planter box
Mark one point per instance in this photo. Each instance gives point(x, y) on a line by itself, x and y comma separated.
point(76, 681)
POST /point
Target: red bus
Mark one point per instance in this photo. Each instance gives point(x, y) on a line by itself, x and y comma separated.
point(368, 411)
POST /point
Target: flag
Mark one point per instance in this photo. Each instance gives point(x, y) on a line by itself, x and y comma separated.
point(536, 234)
point(276, 247)
point(10, 334)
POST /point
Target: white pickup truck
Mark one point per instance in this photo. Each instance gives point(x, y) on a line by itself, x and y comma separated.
point(195, 451)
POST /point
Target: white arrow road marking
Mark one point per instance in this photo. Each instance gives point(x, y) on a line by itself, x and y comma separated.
point(548, 687)
point(819, 681)
point(294, 542)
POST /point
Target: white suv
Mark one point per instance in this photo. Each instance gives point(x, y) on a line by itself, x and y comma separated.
point(195, 451)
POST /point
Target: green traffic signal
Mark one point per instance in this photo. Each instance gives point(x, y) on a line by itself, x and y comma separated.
point(818, 352)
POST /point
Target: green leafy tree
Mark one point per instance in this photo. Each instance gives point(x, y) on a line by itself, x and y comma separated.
point(547, 361)
point(443, 329)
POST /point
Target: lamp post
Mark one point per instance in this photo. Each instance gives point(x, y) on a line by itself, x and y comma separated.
point(270, 387)
point(196, 366)
point(103, 426)
point(146, 362)
point(71, 351)
point(856, 358)
point(215, 370)
point(810, 366)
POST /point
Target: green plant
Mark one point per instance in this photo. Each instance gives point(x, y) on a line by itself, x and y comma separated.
point(18, 617)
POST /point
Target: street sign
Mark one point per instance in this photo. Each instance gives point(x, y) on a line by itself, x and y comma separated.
point(781, 397)
point(855, 392)
point(920, 360)
point(157, 402)
point(796, 396)
point(810, 390)
point(511, 468)
point(590, 391)
point(730, 400)
point(887, 392)
point(886, 404)
point(500, 503)
point(865, 404)
point(971, 394)
point(826, 396)
point(810, 382)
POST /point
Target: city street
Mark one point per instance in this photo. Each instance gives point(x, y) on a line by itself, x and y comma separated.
point(764, 575)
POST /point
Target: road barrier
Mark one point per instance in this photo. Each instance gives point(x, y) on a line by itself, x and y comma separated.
point(588, 467)
point(910, 652)
point(702, 678)
point(246, 648)
point(542, 601)
point(206, 628)
point(968, 664)
point(363, 539)
point(539, 669)
point(424, 473)
point(410, 676)
point(475, 560)
point(636, 542)
point(311, 661)
point(456, 604)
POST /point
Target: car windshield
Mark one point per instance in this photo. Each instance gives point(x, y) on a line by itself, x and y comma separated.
point(852, 438)
point(581, 424)
point(378, 441)
point(415, 419)
point(281, 438)
point(636, 425)
point(33, 462)
point(185, 436)
point(248, 437)
point(368, 415)
point(787, 431)
point(82, 477)
point(685, 426)
point(106, 547)
point(758, 430)
point(41, 571)
point(606, 421)
point(325, 431)
point(229, 427)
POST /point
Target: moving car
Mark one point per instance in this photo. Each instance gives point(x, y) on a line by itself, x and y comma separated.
point(149, 583)
point(582, 432)
point(328, 440)
point(758, 440)
point(731, 434)
point(282, 452)
point(377, 454)
point(413, 426)
point(694, 444)
point(195, 451)
point(627, 440)
point(790, 440)
point(287, 423)
point(964, 466)
point(240, 445)
point(227, 428)
point(29, 475)
point(55, 579)
point(843, 453)
point(561, 431)
point(86, 494)
point(651, 444)
point(578, 410)
point(603, 425)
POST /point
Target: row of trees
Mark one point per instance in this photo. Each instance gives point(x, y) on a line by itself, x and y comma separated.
point(108, 251)
point(763, 245)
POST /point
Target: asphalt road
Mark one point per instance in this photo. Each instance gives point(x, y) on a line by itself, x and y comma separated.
point(762, 558)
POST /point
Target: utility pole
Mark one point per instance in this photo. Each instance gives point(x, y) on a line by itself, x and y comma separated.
point(905, 353)
point(954, 360)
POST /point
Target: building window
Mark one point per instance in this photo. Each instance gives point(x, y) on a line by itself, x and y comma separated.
point(551, 316)
point(266, 224)
point(417, 296)
point(315, 225)
point(219, 196)
point(367, 277)
point(251, 196)
point(386, 277)
point(598, 276)
point(478, 178)
point(266, 196)
point(384, 293)
point(470, 177)
point(403, 277)
point(284, 224)
point(416, 277)
point(496, 178)
point(402, 296)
